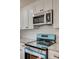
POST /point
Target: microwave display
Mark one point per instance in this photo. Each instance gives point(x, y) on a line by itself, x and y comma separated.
point(48, 18)
point(38, 19)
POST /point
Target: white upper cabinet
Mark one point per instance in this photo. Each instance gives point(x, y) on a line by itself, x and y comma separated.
point(56, 13)
point(48, 5)
point(26, 18)
point(30, 19)
point(21, 18)
point(42, 5)
point(38, 6)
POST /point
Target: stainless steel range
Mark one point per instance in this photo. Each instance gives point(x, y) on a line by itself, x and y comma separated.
point(39, 49)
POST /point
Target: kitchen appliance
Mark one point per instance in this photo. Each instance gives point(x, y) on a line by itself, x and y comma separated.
point(43, 18)
point(39, 49)
point(46, 39)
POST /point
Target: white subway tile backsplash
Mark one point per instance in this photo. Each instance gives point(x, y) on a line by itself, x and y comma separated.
point(31, 34)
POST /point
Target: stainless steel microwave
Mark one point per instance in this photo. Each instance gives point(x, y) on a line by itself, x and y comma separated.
point(43, 18)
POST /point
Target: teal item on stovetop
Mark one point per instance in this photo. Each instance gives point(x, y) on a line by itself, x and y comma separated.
point(46, 36)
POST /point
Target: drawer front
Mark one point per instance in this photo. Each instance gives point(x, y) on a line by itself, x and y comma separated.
point(53, 55)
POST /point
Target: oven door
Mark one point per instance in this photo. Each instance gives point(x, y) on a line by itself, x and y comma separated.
point(34, 54)
point(29, 56)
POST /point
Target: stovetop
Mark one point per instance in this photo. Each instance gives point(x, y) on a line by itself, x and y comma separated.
point(43, 41)
point(39, 44)
point(46, 43)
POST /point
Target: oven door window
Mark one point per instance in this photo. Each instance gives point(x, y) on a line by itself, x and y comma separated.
point(30, 54)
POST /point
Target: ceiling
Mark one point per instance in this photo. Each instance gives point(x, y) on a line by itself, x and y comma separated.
point(25, 2)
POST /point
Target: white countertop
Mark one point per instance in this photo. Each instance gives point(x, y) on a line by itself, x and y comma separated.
point(54, 47)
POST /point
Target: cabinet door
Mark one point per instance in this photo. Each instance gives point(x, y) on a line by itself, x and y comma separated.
point(21, 19)
point(27, 18)
point(30, 17)
point(22, 51)
point(34, 8)
point(42, 5)
point(48, 4)
point(56, 13)
point(50, 55)
point(53, 54)
point(38, 6)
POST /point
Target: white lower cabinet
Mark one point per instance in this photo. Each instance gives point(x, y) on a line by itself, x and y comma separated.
point(22, 51)
point(52, 54)
point(21, 54)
